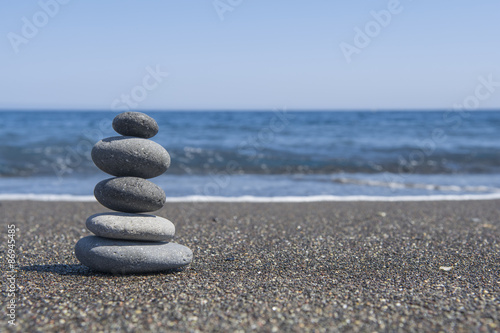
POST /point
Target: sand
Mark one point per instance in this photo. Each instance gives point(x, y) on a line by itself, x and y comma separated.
point(346, 267)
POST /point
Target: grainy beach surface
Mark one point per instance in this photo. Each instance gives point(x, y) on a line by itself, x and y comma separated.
point(346, 266)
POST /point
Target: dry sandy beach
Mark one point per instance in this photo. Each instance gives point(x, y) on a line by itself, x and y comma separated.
point(345, 266)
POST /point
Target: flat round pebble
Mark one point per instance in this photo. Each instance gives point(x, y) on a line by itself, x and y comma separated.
point(142, 227)
point(123, 156)
point(129, 195)
point(135, 124)
point(129, 257)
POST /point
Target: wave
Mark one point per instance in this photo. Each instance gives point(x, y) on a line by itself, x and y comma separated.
point(57, 161)
point(296, 199)
point(59, 144)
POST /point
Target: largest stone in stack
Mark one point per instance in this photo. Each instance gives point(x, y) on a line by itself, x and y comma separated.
point(128, 241)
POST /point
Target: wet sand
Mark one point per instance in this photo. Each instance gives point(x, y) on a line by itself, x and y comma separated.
point(346, 266)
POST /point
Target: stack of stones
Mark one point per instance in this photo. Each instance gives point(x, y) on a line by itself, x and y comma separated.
point(128, 241)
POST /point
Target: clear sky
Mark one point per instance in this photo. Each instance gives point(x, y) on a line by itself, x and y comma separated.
point(249, 54)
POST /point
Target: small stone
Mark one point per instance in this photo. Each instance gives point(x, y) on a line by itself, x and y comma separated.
point(446, 268)
point(135, 124)
point(129, 195)
point(142, 227)
point(126, 257)
point(125, 156)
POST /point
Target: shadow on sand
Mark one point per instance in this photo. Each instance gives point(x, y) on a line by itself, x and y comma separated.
point(61, 269)
point(80, 270)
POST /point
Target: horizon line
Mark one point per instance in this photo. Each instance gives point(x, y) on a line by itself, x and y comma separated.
point(249, 110)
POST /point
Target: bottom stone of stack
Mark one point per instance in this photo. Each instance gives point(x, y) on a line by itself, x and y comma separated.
point(127, 257)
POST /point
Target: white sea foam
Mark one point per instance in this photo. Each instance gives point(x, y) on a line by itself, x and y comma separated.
point(427, 187)
point(334, 198)
point(312, 198)
point(47, 197)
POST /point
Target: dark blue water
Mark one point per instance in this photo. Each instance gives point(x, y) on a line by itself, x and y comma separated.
point(266, 153)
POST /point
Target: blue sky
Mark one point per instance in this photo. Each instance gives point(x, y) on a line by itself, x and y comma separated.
point(242, 54)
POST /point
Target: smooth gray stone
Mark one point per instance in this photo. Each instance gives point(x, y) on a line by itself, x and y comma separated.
point(142, 227)
point(124, 156)
point(130, 194)
point(125, 257)
point(135, 124)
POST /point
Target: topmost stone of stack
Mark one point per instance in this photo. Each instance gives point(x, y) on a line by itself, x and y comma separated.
point(135, 124)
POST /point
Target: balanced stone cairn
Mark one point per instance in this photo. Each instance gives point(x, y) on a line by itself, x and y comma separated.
point(127, 241)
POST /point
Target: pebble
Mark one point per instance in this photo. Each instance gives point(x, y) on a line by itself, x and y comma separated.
point(446, 268)
point(135, 124)
point(143, 227)
point(124, 156)
point(126, 257)
point(129, 194)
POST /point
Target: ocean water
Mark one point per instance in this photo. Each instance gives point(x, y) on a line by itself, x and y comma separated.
point(266, 155)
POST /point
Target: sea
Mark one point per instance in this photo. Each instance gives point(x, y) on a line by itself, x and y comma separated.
point(276, 155)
